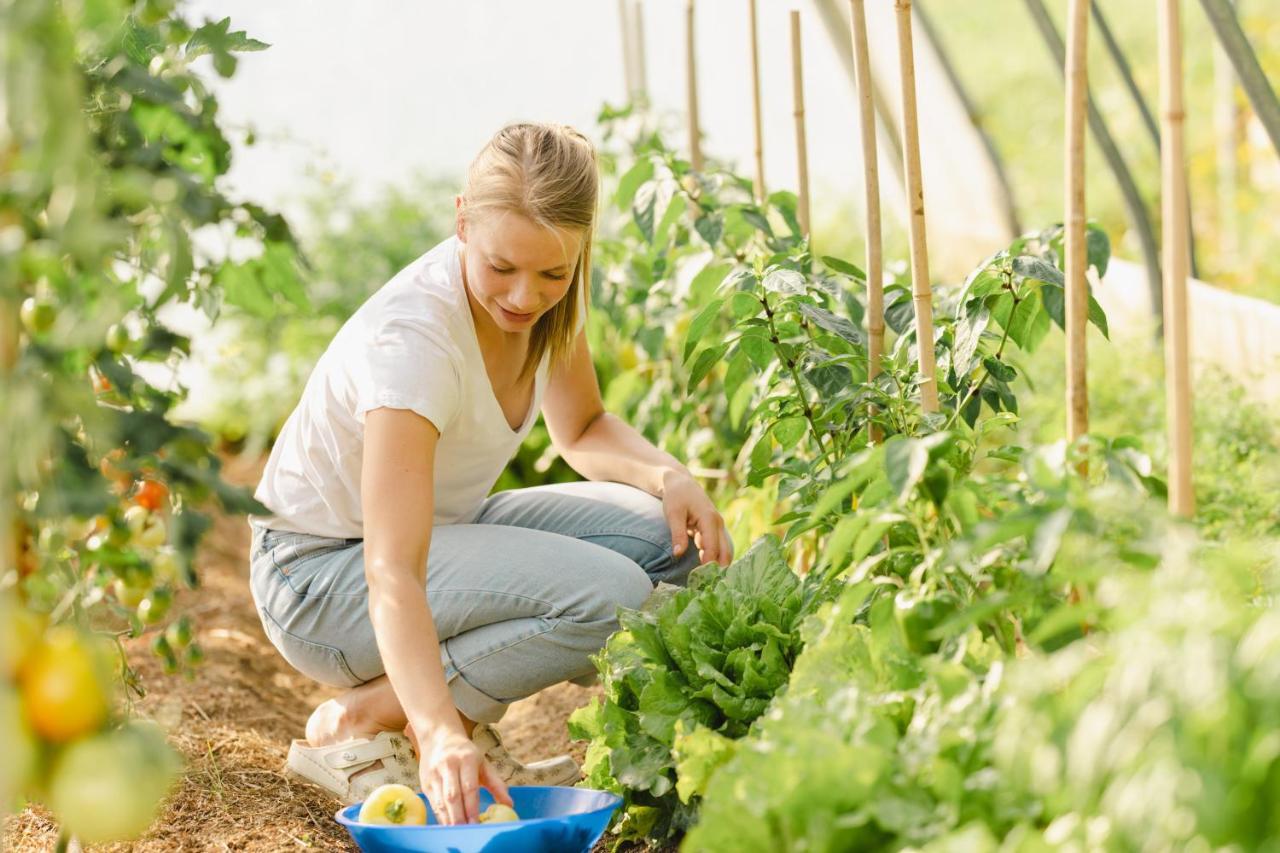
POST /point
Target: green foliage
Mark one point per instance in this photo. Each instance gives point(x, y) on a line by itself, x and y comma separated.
point(709, 659)
point(948, 535)
point(1236, 441)
point(1151, 731)
point(1162, 733)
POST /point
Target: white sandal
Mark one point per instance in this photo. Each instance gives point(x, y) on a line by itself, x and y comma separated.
point(332, 767)
point(561, 770)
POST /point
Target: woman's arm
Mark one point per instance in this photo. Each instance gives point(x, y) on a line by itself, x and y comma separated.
point(601, 446)
point(397, 502)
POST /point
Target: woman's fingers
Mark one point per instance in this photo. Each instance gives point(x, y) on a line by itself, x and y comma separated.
point(470, 779)
point(678, 521)
point(712, 539)
point(495, 783)
point(446, 794)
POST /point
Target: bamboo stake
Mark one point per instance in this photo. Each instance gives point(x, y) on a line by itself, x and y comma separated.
point(1173, 205)
point(871, 188)
point(1125, 183)
point(695, 142)
point(642, 69)
point(922, 295)
point(755, 103)
point(1077, 296)
point(628, 61)
point(802, 152)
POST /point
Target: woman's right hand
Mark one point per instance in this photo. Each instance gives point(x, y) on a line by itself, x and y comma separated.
point(451, 771)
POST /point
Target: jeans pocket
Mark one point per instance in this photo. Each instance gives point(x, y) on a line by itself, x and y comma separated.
point(324, 663)
point(294, 557)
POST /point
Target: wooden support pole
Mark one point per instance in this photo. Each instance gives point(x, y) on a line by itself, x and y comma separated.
point(755, 103)
point(871, 188)
point(921, 292)
point(628, 61)
point(1173, 205)
point(802, 153)
point(691, 63)
point(1077, 295)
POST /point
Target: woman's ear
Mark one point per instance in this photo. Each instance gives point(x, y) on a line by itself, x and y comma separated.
point(460, 224)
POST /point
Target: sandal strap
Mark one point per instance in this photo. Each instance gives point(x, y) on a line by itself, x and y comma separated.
point(333, 767)
point(365, 752)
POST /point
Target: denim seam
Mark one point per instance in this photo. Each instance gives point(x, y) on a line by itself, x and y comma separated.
point(550, 605)
point(668, 552)
point(502, 648)
point(625, 531)
point(459, 674)
point(319, 596)
point(338, 654)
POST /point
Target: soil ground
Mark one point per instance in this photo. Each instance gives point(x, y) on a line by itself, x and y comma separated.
point(234, 719)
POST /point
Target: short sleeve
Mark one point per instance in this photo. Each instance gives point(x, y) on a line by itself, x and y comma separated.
point(409, 365)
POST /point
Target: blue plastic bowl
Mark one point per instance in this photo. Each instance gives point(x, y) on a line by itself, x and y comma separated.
point(554, 819)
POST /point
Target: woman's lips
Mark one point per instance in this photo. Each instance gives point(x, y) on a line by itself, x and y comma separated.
point(514, 317)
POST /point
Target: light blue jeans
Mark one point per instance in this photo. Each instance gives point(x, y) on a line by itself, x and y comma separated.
point(521, 597)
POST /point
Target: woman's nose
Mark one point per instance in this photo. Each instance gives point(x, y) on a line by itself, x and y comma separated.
point(524, 299)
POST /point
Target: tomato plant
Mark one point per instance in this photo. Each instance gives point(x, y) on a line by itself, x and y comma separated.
point(111, 153)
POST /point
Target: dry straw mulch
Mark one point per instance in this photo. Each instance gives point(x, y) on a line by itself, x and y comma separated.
point(233, 722)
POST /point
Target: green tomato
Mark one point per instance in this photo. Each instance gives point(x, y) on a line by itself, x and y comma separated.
point(155, 606)
point(918, 615)
point(137, 517)
point(38, 315)
point(127, 593)
point(118, 339)
point(194, 655)
point(165, 566)
point(106, 787)
point(154, 534)
point(179, 633)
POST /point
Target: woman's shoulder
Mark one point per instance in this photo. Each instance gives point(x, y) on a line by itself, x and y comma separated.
point(424, 294)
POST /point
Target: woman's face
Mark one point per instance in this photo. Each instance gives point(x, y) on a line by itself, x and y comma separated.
point(515, 269)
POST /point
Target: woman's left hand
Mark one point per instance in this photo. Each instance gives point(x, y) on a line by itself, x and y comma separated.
point(690, 511)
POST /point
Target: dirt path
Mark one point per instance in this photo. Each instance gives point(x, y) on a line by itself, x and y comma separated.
point(233, 722)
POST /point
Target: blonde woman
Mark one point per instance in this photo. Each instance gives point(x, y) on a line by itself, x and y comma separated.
point(379, 489)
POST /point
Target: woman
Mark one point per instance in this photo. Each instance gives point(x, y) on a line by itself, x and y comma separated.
point(378, 488)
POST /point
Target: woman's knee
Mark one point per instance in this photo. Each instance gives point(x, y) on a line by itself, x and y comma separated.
point(622, 584)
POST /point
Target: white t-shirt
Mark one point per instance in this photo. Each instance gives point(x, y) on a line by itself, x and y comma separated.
point(411, 345)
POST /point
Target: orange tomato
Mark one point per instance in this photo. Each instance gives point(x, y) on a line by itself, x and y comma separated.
point(66, 685)
point(151, 494)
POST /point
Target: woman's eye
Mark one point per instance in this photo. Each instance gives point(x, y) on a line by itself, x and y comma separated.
point(498, 270)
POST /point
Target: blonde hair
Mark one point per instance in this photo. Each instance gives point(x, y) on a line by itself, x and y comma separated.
point(547, 173)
